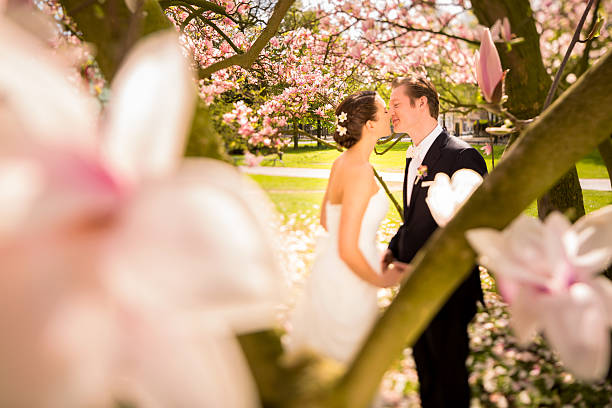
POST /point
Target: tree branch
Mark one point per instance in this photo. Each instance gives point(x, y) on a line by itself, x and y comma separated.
point(427, 30)
point(248, 58)
point(575, 38)
point(202, 4)
point(444, 262)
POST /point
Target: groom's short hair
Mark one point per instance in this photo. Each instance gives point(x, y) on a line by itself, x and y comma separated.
point(416, 86)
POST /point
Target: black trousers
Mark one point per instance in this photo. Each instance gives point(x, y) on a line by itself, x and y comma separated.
point(441, 351)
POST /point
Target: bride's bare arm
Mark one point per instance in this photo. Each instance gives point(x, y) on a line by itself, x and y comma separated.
point(323, 216)
point(355, 197)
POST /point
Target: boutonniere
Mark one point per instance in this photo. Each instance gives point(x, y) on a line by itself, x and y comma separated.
point(421, 173)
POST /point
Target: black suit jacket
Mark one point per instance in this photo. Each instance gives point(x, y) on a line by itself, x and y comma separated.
point(447, 154)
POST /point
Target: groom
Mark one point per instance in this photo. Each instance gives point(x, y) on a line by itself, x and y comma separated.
point(441, 351)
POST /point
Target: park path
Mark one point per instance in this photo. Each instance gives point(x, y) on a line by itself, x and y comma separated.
point(587, 184)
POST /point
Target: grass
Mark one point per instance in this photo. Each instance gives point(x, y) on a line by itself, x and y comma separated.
point(591, 166)
point(297, 195)
point(289, 184)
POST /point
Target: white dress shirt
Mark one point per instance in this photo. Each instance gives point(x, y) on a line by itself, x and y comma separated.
point(419, 154)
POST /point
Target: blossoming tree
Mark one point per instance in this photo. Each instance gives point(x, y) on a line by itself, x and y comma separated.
point(99, 190)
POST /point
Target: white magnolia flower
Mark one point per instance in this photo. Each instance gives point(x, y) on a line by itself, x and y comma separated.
point(126, 272)
point(549, 273)
point(342, 117)
point(446, 195)
point(341, 130)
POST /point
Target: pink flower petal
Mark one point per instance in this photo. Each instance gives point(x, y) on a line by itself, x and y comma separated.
point(151, 111)
point(594, 235)
point(525, 319)
point(577, 327)
point(215, 239)
point(38, 99)
point(489, 71)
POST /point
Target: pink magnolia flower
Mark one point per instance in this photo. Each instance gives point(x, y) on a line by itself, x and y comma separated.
point(252, 160)
point(126, 273)
point(487, 149)
point(501, 30)
point(549, 274)
point(446, 195)
point(488, 67)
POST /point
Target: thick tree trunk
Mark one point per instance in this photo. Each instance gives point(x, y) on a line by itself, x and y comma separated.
point(113, 29)
point(563, 196)
point(296, 135)
point(605, 150)
point(527, 85)
point(203, 140)
point(319, 131)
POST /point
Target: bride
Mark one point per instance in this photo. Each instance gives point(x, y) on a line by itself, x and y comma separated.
point(339, 304)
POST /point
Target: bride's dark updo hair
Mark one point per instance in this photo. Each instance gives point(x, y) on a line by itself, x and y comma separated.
point(359, 108)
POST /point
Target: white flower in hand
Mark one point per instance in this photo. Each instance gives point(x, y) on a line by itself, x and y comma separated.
point(342, 117)
point(341, 130)
point(549, 274)
point(446, 195)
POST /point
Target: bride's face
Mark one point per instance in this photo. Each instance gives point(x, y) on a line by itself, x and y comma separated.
point(382, 124)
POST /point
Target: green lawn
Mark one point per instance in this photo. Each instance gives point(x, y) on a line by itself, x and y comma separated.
point(293, 184)
point(591, 166)
point(293, 195)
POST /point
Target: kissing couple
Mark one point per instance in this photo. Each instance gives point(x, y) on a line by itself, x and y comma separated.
point(339, 305)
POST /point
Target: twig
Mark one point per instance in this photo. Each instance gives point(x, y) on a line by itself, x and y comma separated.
point(398, 137)
point(393, 200)
point(575, 38)
point(248, 58)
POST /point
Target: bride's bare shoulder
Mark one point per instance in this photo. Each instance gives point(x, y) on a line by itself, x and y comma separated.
point(346, 169)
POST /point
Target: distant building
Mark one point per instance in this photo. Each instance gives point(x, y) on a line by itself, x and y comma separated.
point(461, 124)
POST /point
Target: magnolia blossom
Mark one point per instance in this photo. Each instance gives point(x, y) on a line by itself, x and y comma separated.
point(487, 149)
point(549, 273)
point(446, 195)
point(252, 160)
point(126, 273)
point(488, 68)
point(501, 30)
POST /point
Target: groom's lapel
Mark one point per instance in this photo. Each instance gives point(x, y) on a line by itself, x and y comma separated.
point(431, 158)
point(406, 188)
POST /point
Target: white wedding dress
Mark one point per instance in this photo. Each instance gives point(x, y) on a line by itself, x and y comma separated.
point(338, 308)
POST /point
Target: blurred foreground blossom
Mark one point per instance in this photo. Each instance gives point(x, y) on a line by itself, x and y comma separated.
point(549, 273)
point(446, 195)
point(126, 273)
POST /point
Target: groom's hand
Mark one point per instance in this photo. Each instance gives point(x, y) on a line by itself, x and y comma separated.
point(401, 267)
point(387, 258)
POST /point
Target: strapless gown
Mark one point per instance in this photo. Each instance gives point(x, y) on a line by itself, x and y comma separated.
point(337, 308)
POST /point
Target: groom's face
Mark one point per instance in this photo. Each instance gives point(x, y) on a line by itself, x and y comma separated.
point(404, 112)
